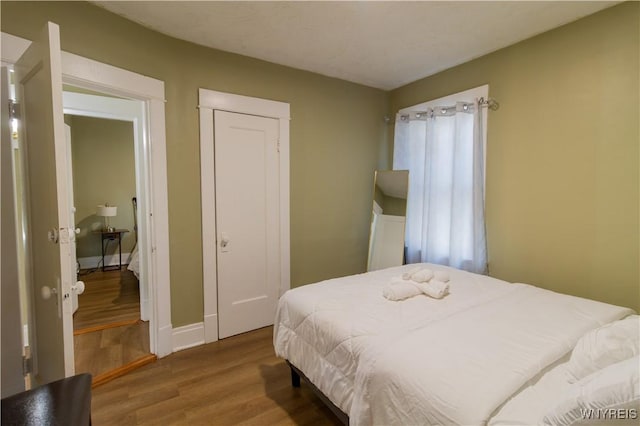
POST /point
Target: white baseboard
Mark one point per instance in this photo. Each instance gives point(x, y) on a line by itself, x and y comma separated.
point(164, 342)
point(109, 260)
point(210, 328)
point(188, 336)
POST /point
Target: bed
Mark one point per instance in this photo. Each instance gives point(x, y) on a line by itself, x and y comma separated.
point(134, 262)
point(486, 353)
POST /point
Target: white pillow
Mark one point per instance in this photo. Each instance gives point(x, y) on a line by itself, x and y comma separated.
point(599, 348)
point(608, 395)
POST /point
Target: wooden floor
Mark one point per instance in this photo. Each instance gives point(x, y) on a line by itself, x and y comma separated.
point(109, 297)
point(103, 351)
point(109, 336)
point(238, 380)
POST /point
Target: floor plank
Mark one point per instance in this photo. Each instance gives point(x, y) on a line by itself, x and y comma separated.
point(108, 297)
point(237, 380)
point(108, 332)
point(102, 351)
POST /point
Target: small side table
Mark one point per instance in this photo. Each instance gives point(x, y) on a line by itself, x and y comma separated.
point(116, 234)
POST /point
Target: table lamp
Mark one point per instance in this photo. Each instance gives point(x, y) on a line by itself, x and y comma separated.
point(107, 211)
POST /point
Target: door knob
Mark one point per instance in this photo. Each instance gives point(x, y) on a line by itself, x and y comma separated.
point(77, 230)
point(78, 287)
point(46, 292)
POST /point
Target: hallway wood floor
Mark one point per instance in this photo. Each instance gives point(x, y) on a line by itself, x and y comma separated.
point(238, 380)
point(109, 297)
point(103, 351)
point(108, 332)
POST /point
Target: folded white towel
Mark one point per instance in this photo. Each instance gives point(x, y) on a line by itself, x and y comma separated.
point(400, 290)
point(422, 276)
point(434, 288)
point(407, 275)
point(441, 276)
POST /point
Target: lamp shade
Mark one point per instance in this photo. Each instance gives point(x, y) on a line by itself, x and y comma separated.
point(107, 211)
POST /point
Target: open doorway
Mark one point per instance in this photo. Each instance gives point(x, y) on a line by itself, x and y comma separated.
point(111, 326)
point(45, 314)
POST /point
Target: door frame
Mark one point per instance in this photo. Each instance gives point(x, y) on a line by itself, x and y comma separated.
point(96, 76)
point(210, 100)
point(132, 111)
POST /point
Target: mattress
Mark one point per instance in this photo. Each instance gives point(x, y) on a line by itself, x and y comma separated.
point(374, 358)
point(530, 404)
point(324, 328)
point(134, 262)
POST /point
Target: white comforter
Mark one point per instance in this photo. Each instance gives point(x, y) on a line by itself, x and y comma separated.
point(427, 361)
point(324, 328)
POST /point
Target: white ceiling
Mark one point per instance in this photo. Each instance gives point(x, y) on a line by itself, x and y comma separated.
point(375, 43)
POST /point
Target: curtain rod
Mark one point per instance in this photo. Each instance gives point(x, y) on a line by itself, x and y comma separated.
point(490, 103)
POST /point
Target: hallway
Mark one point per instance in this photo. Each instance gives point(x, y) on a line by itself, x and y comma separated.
point(109, 337)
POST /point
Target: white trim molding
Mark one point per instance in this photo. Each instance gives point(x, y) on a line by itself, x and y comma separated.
point(187, 336)
point(208, 200)
point(81, 71)
point(132, 111)
point(12, 48)
point(210, 100)
point(100, 77)
point(230, 102)
point(210, 328)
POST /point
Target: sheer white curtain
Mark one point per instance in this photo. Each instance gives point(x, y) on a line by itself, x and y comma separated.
point(442, 148)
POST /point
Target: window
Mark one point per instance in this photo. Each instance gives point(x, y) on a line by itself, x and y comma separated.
point(442, 144)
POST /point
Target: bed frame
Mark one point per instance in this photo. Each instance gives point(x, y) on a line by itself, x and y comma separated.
point(296, 374)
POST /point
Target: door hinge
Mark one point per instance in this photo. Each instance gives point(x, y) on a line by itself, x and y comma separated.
point(14, 109)
point(27, 366)
point(278, 145)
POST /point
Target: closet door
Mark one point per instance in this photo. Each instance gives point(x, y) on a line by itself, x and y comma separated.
point(247, 221)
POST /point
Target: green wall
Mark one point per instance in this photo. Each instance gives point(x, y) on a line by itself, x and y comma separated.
point(395, 206)
point(103, 172)
point(337, 130)
point(562, 158)
point(390, 205)
point(562, 161)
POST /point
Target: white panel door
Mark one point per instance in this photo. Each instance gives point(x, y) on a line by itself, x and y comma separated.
point(247, 219)
point(73, 260)
point(38, 79)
